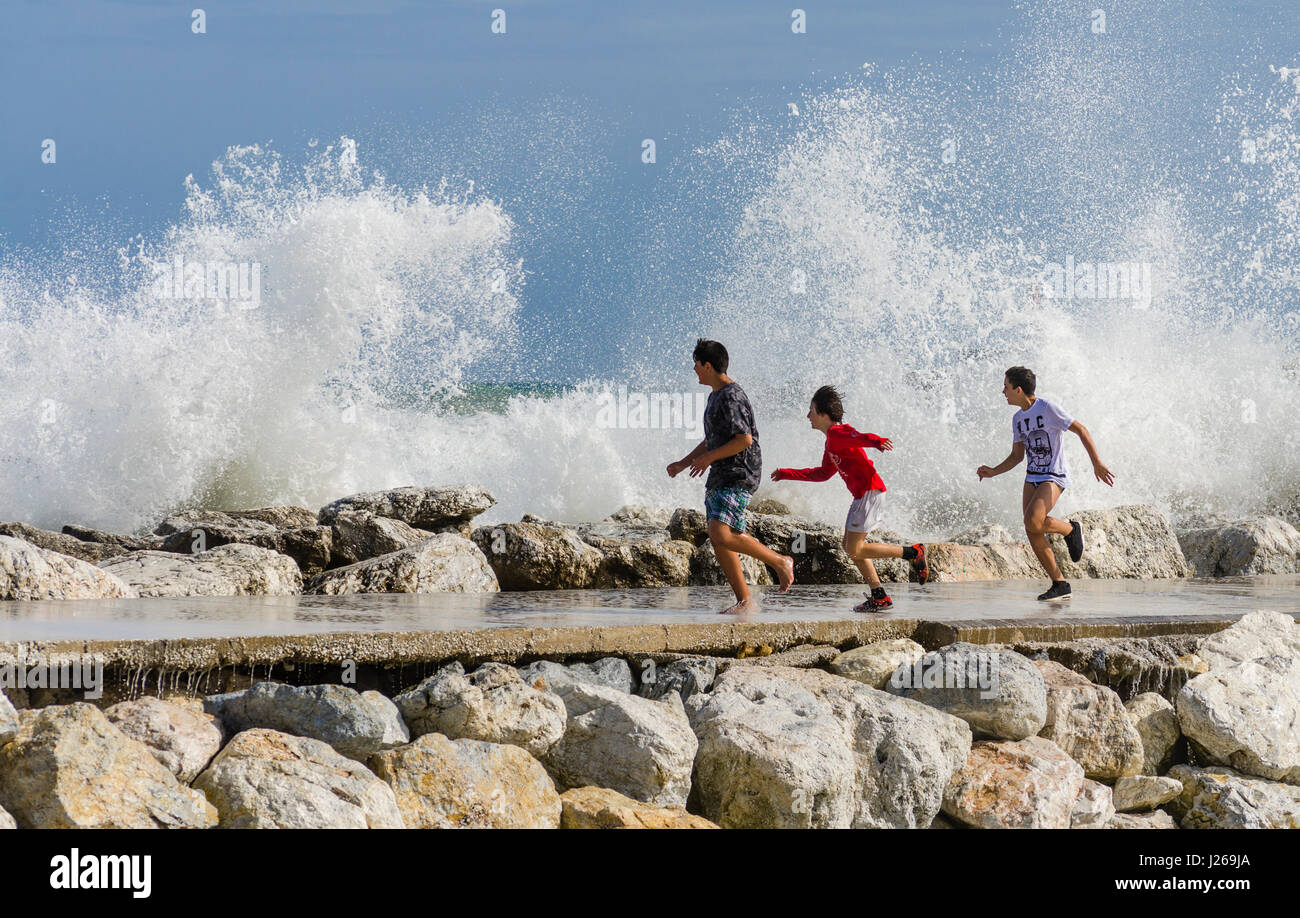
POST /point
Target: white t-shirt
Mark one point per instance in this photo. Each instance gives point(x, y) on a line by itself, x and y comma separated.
point(1039, 427)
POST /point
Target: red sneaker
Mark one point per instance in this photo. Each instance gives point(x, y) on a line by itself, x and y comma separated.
point(920, 566)
point(876, 602)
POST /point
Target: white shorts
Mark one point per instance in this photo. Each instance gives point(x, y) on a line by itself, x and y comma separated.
point(866, 513)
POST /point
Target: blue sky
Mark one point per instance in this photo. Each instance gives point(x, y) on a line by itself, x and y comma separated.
point(136, 101)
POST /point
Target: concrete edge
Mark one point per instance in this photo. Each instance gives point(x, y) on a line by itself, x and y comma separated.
point(514, 645)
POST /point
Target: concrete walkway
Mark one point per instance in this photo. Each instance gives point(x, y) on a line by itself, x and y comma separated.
point(202, 632)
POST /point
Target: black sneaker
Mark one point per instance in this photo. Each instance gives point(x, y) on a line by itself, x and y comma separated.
point(1059, 592)
point(1074, 541)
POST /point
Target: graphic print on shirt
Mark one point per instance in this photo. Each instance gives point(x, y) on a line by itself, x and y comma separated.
point(1039, 450)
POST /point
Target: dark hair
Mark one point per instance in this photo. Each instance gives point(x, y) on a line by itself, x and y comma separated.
point(827, 400)
point(711, 352)
point(1022, 378)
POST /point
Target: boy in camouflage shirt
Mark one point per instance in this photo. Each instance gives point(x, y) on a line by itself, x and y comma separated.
point(730, 454)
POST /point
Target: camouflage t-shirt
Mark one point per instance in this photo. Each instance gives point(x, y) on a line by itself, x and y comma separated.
point(729, 413)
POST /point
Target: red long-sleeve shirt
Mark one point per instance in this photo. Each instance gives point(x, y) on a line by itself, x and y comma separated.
point(845, 454)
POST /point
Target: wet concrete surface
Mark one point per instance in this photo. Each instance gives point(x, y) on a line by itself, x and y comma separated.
point(960, 606)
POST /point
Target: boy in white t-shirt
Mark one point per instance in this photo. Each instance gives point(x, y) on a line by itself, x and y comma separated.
point(1036, 432)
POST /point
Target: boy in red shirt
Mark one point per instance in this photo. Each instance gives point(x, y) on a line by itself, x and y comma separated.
point(845, 454)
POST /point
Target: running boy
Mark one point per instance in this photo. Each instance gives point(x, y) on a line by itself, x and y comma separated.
point(1036, 429)
point(731, 456)
point(845, 453)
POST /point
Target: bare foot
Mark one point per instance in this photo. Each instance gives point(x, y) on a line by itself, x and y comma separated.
point(785, 573)
point(744, 607)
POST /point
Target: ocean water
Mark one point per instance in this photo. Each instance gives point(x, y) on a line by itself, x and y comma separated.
point(904, 236)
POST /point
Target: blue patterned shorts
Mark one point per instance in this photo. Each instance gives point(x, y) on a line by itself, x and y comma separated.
point(727, 505)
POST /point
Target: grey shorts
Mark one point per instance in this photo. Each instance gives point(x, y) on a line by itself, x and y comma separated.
point(866, 513)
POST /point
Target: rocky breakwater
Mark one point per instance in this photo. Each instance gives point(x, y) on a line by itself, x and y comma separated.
point(1241, 719)
point(1264, 545)
point(422, 539)
point(641, 546)
point(886, 735)
point(1136, 541)
point(407, 540)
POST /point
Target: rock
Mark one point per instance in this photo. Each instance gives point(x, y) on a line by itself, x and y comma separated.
point(1255, 638)
point(70, 768)
point(540, 521)
point(445, 563)
point(988, 534)
point(637, 556)
point(1157, 820)
point(771, 755)
point(610, 672)
point(441, 783)
point(281, 517)
point(804, 656)
point(448, 509)
point(1025, 784)
point(333, 714)
point(644, 749)
point(999, 693)
point(1227, 720)
point(684, 678)
point(943, 822)
point(904, 752)
point(873, 664)
point(91, 552)
point(230, 570)
point(602, 808)
point(1243, 712)
point(705, 570)
point(641, 515)
point(197, 531)
point(192, 703)
point(109, 540)
point(1093, 808)
point(264, 779)
point(286, 518)
point(1089, 722)
point(1266, 545)
point(1221, 798)
point(952, 562)
point(30, 572)
point(530, 556)
point(1134, 541)
point(360, 535)
point(1145, 792)
point(8, 719)
point(1128, 665)
point(688, 525)
point(769, 506)
point(183, 741)
point(395, 731)
point(1157, 724)
point(492, 704)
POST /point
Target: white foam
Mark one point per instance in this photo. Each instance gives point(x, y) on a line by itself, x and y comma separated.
point(119, 406)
